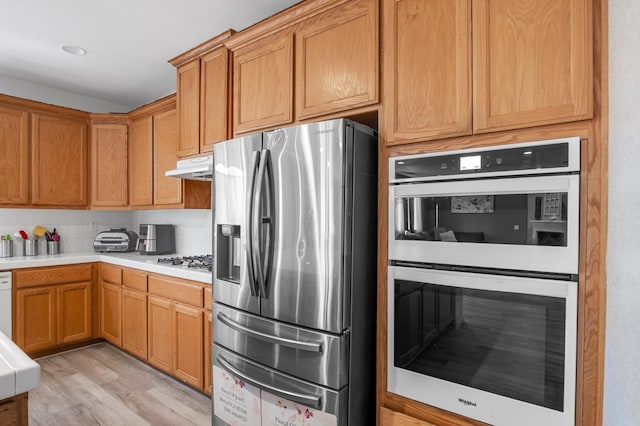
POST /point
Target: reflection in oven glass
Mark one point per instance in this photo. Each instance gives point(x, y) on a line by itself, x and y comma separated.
point(505, 343)
point(522, 219)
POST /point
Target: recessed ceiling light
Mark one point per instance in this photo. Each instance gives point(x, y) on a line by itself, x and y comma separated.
point(74, 50)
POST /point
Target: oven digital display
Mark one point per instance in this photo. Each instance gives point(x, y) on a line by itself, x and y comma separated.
point(471, 162)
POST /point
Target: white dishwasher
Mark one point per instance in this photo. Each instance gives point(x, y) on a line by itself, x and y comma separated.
point(5, 303)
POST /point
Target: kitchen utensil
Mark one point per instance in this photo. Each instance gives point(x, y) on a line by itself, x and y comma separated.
point(23, 235)
point(39, 231)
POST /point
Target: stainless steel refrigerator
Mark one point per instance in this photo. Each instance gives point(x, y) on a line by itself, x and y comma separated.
point(294, 276)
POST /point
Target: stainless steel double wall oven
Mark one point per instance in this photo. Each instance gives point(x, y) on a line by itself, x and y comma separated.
point(482, 285)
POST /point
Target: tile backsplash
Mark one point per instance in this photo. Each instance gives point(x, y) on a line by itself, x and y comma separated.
point(77, 228)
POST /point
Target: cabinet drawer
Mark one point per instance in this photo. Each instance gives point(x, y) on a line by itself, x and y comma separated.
point(393, 418)
point(53, 275)
point(177, 290)
point(110, 273)
point(136, 280)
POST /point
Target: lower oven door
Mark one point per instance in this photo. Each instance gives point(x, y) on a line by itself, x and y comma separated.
point(495, 348)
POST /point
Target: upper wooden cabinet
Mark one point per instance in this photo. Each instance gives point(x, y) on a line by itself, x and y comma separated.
point(427, 69)
point(109, 163)
point(166, 190)
point(59, 160)
point(203, 96)
point(337, 59)
point(263, 83)
point(533, 62)
point(152, 151)
point(188, 95)
point(14, 155)
point(530, 63)
point(140, 162)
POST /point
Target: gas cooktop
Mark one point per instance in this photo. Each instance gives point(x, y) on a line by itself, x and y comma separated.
point(200, 263)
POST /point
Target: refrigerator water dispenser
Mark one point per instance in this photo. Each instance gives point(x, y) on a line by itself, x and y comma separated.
point(229, 252)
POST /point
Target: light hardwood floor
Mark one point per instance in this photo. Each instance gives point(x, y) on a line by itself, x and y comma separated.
point(101, 385)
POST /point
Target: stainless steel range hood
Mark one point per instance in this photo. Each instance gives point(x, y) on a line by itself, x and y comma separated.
point(196, 168)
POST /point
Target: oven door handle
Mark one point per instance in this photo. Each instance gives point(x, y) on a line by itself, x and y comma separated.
point(282, 341)
point(307, 400)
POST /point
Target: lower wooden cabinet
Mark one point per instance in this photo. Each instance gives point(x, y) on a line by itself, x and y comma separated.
point(134, 322)
point(393, 418)
point(54, 307)
point(110, 278)
point(208, 340)
point(176, 340)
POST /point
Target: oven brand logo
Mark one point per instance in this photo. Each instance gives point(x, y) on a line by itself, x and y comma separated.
point(467, 403)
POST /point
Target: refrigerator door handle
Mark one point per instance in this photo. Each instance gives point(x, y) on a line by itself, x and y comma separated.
point(283, 341)
point(251, 267)
point(307, 400)
point(266, 222)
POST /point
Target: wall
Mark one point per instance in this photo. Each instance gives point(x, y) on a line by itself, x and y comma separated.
point(193, 228)
point(37, 92)
point(622, 373)
point(76, 228)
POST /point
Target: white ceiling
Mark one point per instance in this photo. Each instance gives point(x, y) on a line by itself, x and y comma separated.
point(128, 41)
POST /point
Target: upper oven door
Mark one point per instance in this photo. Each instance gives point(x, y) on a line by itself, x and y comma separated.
point(522, 223)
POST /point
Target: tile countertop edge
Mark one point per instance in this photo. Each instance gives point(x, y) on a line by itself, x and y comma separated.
point(129, 260)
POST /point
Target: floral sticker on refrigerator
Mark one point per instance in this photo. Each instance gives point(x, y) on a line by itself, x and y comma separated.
point(234, 401)
point(278, 411)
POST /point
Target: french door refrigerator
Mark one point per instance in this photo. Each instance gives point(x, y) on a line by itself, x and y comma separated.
point(294, 276)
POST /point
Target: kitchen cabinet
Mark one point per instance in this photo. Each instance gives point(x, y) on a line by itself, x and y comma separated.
point(263, 83)
point(394, 418)
point(134, 312)
point(111, 304)
point(188, 95)
point(427, 69)
point(337, 59)
point(59, 160)
point(468, 77)
point(541, 73)
point(109, 162)
point(203, 96)
point(54, 307)
point(166, 190)
point(175, 324)
point(208, 340)
point(152, 151)
point(14, 155)
point(140, 163)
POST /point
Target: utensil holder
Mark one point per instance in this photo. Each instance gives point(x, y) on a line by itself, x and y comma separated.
point(6, 248)
point(53, 247)
point(30, 248)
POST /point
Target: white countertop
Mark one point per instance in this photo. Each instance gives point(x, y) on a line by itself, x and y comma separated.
point(18, 372)
point(130, 260)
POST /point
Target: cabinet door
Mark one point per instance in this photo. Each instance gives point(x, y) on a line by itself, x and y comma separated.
point(59, 161)
point(14, 156)
point(214, 98)
point(208, 319)
point(141, 162)
point(533, 62)
point(166, 190)
point(36, 318)
point(263, 83)
point(337, 60)
point(188, 349)
point(427, 69)
point(109, 165)
point(134, 323)
point(188, 95)
point(110, 313)
point(159, 333)
point(74, 317)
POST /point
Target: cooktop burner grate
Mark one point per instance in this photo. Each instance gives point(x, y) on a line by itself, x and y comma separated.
point(202, 262)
